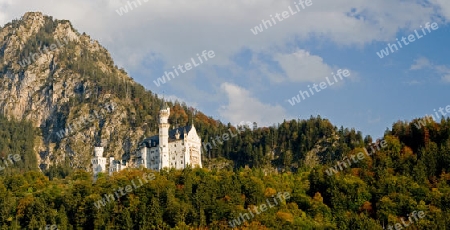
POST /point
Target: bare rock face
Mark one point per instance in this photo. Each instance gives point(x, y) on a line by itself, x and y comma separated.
point(39, 82)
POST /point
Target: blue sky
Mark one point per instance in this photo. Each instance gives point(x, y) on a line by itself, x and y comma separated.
point(252, 76)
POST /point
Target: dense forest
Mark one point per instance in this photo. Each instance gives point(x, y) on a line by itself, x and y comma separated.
point(16, 138)
point(410, 174)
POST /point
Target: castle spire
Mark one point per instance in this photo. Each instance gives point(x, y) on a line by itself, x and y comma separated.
point(192, 116)
point(164, 105)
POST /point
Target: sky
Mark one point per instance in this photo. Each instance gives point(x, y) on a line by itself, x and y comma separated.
point(252, 73)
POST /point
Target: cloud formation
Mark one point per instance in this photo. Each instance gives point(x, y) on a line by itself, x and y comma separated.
point(423, 63)
point(301, 66)
point(224, 26)
point(242, 106)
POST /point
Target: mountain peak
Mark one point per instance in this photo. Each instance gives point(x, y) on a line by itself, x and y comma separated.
point(55, 77)
point(32, 15)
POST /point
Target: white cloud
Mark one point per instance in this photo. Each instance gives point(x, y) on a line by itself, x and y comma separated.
point(301, 66)
point(178, 29)
point(413, 82)
point(444, 7)
point(446, 77)
point(423, 63)
point(242, 106)
point(420, 63)
point(266, 70)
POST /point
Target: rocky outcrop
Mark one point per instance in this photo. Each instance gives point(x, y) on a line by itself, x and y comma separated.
point(44, 90)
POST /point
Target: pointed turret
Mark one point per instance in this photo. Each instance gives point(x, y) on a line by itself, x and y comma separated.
point(164, 125)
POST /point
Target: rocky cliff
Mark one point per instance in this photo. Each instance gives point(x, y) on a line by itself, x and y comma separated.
point(66, 84)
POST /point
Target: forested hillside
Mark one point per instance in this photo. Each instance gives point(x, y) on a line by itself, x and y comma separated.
point(407, 174)
point(16, 139)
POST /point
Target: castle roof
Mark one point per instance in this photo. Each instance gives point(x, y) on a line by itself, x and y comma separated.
point(153, 141)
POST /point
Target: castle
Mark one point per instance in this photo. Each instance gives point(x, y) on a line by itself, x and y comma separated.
point(176, 148)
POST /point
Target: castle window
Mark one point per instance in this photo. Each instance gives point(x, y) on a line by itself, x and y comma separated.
point(181, 162)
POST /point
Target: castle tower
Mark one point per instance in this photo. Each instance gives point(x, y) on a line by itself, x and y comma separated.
point(195, 145)
point(112, 166)
point(98, 162)
point(164, 125)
